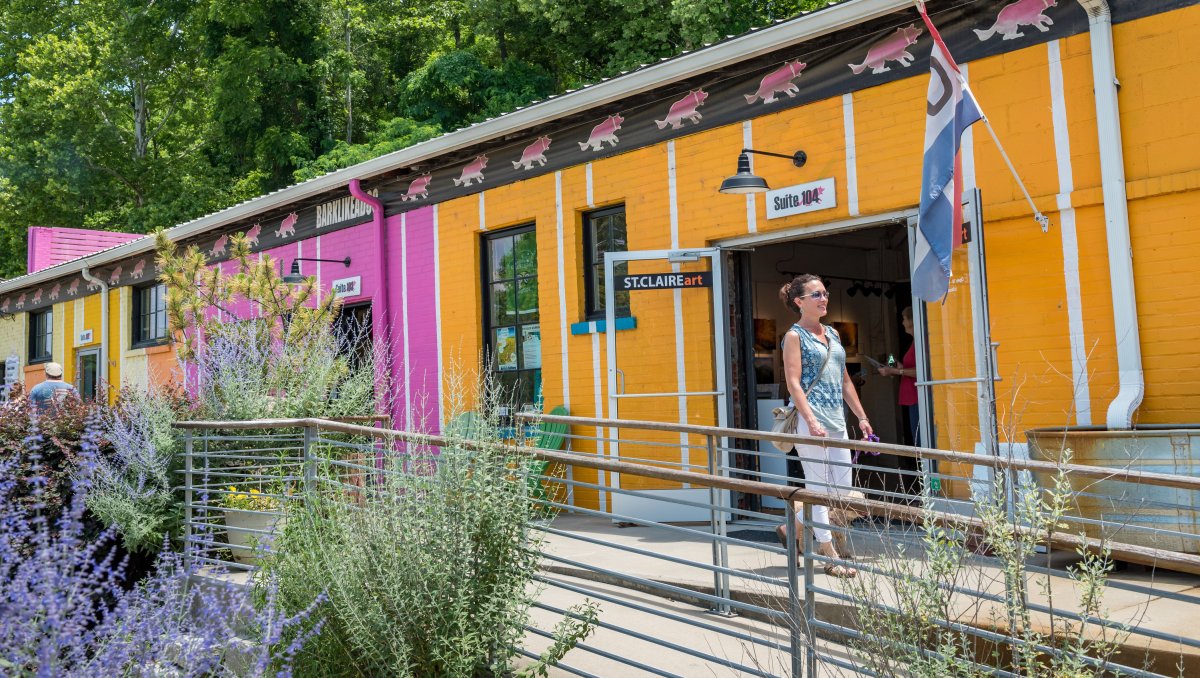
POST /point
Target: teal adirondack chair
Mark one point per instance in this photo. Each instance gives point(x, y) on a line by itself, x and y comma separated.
point(550, 436)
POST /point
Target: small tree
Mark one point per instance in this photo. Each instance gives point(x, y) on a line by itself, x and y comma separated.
point(197, 291)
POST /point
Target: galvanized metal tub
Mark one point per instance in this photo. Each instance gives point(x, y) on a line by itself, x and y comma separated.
point(1172, 515)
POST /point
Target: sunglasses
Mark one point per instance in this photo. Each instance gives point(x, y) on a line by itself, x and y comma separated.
point(818, 295)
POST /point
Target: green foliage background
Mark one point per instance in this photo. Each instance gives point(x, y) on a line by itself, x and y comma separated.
point(133, 115)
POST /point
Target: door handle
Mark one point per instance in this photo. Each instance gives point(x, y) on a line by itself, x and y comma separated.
point(620, 381)
point(995, 362)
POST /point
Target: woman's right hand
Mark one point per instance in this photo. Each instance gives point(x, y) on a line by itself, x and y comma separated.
point(816, 429)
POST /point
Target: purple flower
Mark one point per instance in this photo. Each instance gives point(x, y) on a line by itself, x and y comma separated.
point(65, 612)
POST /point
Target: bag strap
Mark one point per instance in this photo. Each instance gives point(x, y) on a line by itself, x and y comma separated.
point(821, 370)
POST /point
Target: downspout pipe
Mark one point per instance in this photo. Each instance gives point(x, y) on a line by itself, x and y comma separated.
point(379, 310)
point(1131, 379)
point(87, 275)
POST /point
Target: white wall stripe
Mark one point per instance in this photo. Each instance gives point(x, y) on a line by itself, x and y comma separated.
point(406, 366)
point(79, 322)
point(562, 290)
point(601, 476)
point(587, 170)
point(482, 213)
point(680, 359)
point(1070, 242)
point(751, 198)
point(317, 240)
point(851, 154)
point(437, 311)
point(968, 146)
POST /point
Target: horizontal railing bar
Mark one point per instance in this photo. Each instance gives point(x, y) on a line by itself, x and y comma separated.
point(721, 661)
point(617, 517)
point(560, 666)
point(608, 655)
point(707, 567)
point(986, 634)
point(670, 588)
point(592, 593)
point(855, 634)
point(1150, 478)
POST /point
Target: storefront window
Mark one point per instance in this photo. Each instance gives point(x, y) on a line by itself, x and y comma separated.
point(41, 336)
point(149, 315)
point(512, 321)
point(604, 231)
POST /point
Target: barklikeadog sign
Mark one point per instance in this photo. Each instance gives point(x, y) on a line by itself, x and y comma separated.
point(810, 197)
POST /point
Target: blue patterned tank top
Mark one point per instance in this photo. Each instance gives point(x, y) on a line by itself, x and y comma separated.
point(825, 398)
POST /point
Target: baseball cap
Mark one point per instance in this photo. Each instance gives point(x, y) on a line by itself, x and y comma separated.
point(54, 370)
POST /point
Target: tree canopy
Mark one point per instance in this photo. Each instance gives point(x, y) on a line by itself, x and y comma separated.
point(132, 115)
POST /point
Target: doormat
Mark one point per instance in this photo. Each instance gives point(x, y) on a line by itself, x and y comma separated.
point(761, 536)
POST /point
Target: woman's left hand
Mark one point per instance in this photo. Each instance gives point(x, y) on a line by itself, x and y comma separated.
point(865, 426)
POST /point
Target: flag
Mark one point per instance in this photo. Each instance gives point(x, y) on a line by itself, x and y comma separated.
point(950, 109)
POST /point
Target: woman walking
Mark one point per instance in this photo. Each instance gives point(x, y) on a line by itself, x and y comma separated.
point(814, 365)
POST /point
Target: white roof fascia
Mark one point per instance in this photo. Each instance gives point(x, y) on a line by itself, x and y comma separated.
point(731, 51)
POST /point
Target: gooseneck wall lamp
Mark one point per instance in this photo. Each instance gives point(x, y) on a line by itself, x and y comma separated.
point(294, 278)
point(746, 181)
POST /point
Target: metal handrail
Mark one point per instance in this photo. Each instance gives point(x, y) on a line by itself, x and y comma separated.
point(1180, 562)
point(998, 462)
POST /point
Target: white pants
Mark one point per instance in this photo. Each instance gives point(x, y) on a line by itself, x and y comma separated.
point(821, 476)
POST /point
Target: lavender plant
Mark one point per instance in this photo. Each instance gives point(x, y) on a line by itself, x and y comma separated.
point(134, 488)
point(64, 611)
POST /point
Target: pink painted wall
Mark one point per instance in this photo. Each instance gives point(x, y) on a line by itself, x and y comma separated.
point(47, 246)
point(411, 320)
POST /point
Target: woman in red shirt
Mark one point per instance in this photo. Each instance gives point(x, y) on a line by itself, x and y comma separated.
point(907, 371)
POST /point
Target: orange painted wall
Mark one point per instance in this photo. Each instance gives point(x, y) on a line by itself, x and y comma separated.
point(1027, 283)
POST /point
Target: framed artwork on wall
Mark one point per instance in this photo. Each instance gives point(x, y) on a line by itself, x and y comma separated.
point(849, 334)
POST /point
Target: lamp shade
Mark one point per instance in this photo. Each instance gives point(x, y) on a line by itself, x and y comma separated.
point(294, 278)
point(744, 181)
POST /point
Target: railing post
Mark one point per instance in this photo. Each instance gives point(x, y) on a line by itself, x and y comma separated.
point(310, 466)
point(810, 602)
point(718, 522)
point(795, 612)
point(188, 484)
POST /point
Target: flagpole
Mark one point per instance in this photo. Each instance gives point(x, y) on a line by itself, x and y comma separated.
point(1037, 215)
point(1042, 219)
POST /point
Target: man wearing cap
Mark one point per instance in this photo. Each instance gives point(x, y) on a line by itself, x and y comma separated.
point(53, 390)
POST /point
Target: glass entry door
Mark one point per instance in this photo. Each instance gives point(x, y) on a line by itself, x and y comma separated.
point(956, 368)
point(87, 373)
point(667, 368)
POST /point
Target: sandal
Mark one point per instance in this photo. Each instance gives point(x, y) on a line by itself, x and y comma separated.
point(840, 571)
point(836, 569)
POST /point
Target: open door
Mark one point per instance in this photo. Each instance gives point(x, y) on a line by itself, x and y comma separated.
point(669, 368)
point(956, 368)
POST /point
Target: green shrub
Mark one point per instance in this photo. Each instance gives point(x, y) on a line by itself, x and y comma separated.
point(428, 573)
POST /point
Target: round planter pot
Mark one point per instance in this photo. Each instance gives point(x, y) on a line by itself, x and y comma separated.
point(250, 531)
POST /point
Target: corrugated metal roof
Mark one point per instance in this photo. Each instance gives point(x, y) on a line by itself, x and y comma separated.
point(732, 50)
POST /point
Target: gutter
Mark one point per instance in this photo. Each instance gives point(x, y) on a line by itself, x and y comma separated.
point(87, 275)
point(726, 53)
point(379, 309)
point(1131, 379)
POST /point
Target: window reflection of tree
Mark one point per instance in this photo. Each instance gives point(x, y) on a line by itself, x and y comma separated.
point(514, 342)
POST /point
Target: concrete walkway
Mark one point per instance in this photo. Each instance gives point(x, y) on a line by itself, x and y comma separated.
point(593, 549)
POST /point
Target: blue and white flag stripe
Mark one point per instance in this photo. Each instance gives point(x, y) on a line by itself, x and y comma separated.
point(950, 109)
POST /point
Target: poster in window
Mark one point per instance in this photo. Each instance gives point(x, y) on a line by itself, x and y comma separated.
point(506, 349)
point(531, 347)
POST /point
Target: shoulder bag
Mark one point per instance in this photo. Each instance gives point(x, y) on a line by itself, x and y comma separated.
point(786, 417)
